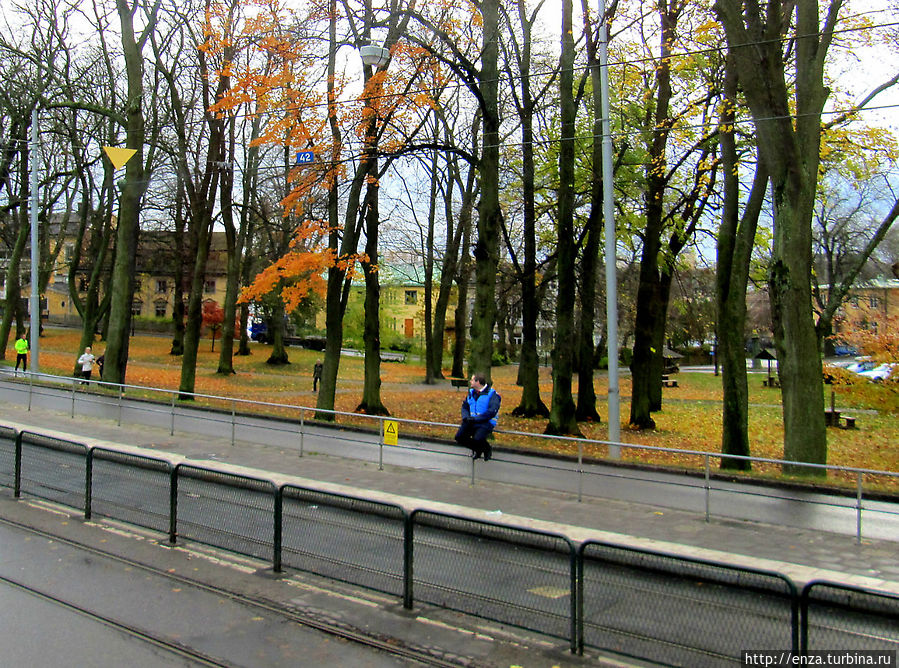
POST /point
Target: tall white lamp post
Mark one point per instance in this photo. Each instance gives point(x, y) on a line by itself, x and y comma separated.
point(610, 237)
point(34, 319)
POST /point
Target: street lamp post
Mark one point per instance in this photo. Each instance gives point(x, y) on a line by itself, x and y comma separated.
point(34, 321)
point(610, 237)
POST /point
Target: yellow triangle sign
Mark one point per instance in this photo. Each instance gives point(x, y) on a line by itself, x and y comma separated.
point(119, 156)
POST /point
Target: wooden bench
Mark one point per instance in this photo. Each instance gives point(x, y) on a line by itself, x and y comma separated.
point(458, 382)
point(772, 381)
point(669, 383)
point(848, 422)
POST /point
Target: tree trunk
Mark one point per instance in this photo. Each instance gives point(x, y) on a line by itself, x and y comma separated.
point(12, 309)
point(122, 282)
point(371, 333)
point(562, 419)
point(234, 241)
point(486, 250)
point(278, 355)
point(788, 136)
point(735, 243)
point(195, 304)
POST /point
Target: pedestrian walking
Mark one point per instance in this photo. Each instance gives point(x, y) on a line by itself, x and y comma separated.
point(22, 353)
point(316, 374)
point(87, 364)
point(479, 409)
point(101, 360)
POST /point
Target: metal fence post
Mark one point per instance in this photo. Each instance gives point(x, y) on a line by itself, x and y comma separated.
point(172, 430)
point(173, 505)
point(302, 428)
point(73, 398)
point(88, 483)
point(277, 538)
point(574, 609)
point(121, 392)
point(17, 478)
point(233, 411)
point(858, 508)
point(408, 558)
point(580, 471)
point(708, 487)
point(579, 592)
point(381, 444)
point(30, 389)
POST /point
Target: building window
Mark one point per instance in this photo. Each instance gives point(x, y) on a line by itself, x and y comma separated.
point(82, 284)
point(137, 285)
point(874, 301)
point(136, 307)
point(162, 285)
point(411, 296)
point(160, 309)
point(209, 287)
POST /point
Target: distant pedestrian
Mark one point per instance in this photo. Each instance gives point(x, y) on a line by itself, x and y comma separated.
point(87, 363)
point(479, 409)
point(100, 361)
point(316, 374)
point(22, 353)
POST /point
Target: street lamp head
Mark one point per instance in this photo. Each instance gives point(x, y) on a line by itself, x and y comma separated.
point(374, 55)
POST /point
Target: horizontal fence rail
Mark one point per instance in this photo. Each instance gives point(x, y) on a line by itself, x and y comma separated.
point(632, 602)
point(682, 611)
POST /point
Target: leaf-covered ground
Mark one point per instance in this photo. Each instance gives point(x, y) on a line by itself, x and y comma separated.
point(690, 419)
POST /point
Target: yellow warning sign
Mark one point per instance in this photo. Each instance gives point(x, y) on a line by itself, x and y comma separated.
point(391, 432)
point(119, 156)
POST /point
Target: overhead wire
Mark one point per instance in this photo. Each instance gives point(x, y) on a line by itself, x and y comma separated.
point(582, 68)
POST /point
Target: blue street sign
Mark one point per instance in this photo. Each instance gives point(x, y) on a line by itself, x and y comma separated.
point(305, 157)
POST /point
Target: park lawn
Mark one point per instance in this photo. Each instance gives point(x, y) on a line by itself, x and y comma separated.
point(689, 420)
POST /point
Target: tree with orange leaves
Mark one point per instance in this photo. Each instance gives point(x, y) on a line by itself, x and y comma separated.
point(292, 279)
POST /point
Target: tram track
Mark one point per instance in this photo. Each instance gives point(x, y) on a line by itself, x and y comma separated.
point(415, 655)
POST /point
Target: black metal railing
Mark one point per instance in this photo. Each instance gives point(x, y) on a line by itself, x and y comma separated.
point(847, 617)
point(613, 598)
point(681, 610)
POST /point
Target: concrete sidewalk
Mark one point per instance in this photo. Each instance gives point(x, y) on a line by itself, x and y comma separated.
point(803, 555)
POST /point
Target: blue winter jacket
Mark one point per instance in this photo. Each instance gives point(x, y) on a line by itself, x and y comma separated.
point(481, 406)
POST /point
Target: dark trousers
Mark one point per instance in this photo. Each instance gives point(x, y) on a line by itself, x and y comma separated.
point(315, 380)
point(23, 358)
point(474, 435)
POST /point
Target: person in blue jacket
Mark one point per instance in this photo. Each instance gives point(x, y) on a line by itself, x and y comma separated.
point(479, 409)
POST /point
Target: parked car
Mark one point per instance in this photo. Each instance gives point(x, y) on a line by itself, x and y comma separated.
point(879, 373)
point(842, 350)
point(861, 364)
point(257, 331)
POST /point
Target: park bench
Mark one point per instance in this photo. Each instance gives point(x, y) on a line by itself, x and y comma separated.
point(848, 422)
point(771, 381)
point(458, 382)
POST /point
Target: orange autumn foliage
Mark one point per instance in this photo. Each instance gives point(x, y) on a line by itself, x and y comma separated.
point(297, 274)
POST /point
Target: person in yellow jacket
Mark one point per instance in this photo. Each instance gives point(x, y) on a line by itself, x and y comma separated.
point(22, 352)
